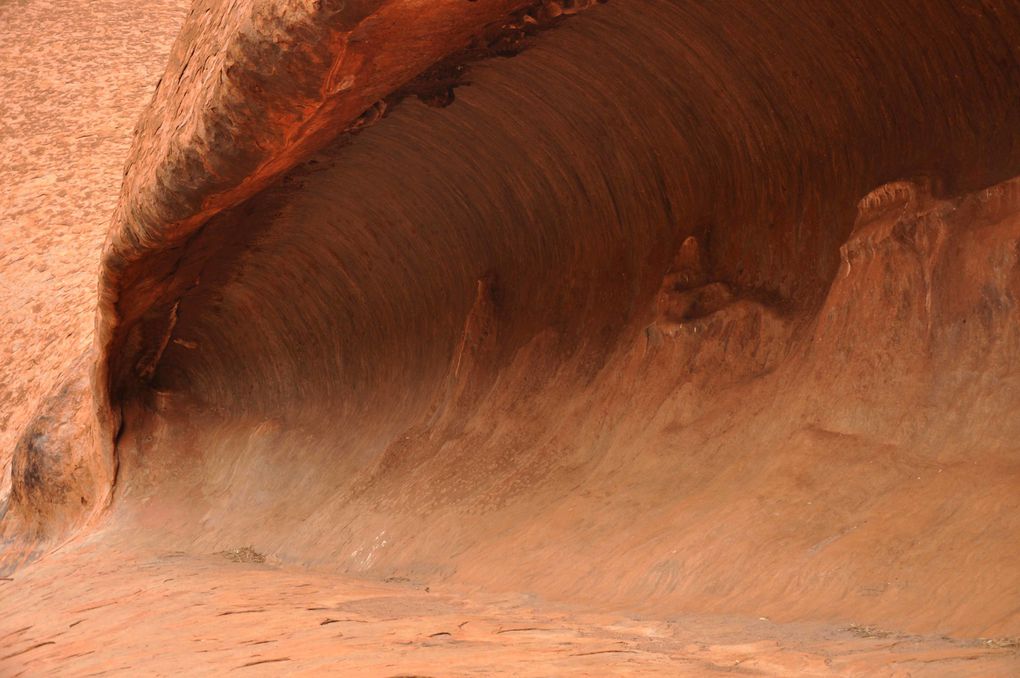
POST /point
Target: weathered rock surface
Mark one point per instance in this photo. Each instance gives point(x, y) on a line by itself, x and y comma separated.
point(71, 91)
point(683, 309)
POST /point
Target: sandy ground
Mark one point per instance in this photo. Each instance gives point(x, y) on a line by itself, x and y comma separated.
point(163, 613)
point(73, 79)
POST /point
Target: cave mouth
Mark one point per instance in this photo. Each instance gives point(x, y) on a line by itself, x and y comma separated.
point(681, 307)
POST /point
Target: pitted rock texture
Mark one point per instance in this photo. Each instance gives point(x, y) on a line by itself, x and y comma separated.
point(682, 308)
point(73, 86)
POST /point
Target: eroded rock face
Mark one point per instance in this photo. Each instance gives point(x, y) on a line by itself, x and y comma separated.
point(251, 90)
point(607, 327)
point(57, 479)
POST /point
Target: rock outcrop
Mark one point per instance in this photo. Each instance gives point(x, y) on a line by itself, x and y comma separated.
point(599, 321)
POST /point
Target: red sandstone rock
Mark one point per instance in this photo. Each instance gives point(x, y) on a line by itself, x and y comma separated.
point(607, 328)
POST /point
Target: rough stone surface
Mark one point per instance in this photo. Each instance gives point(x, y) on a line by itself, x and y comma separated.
point(692, 316)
